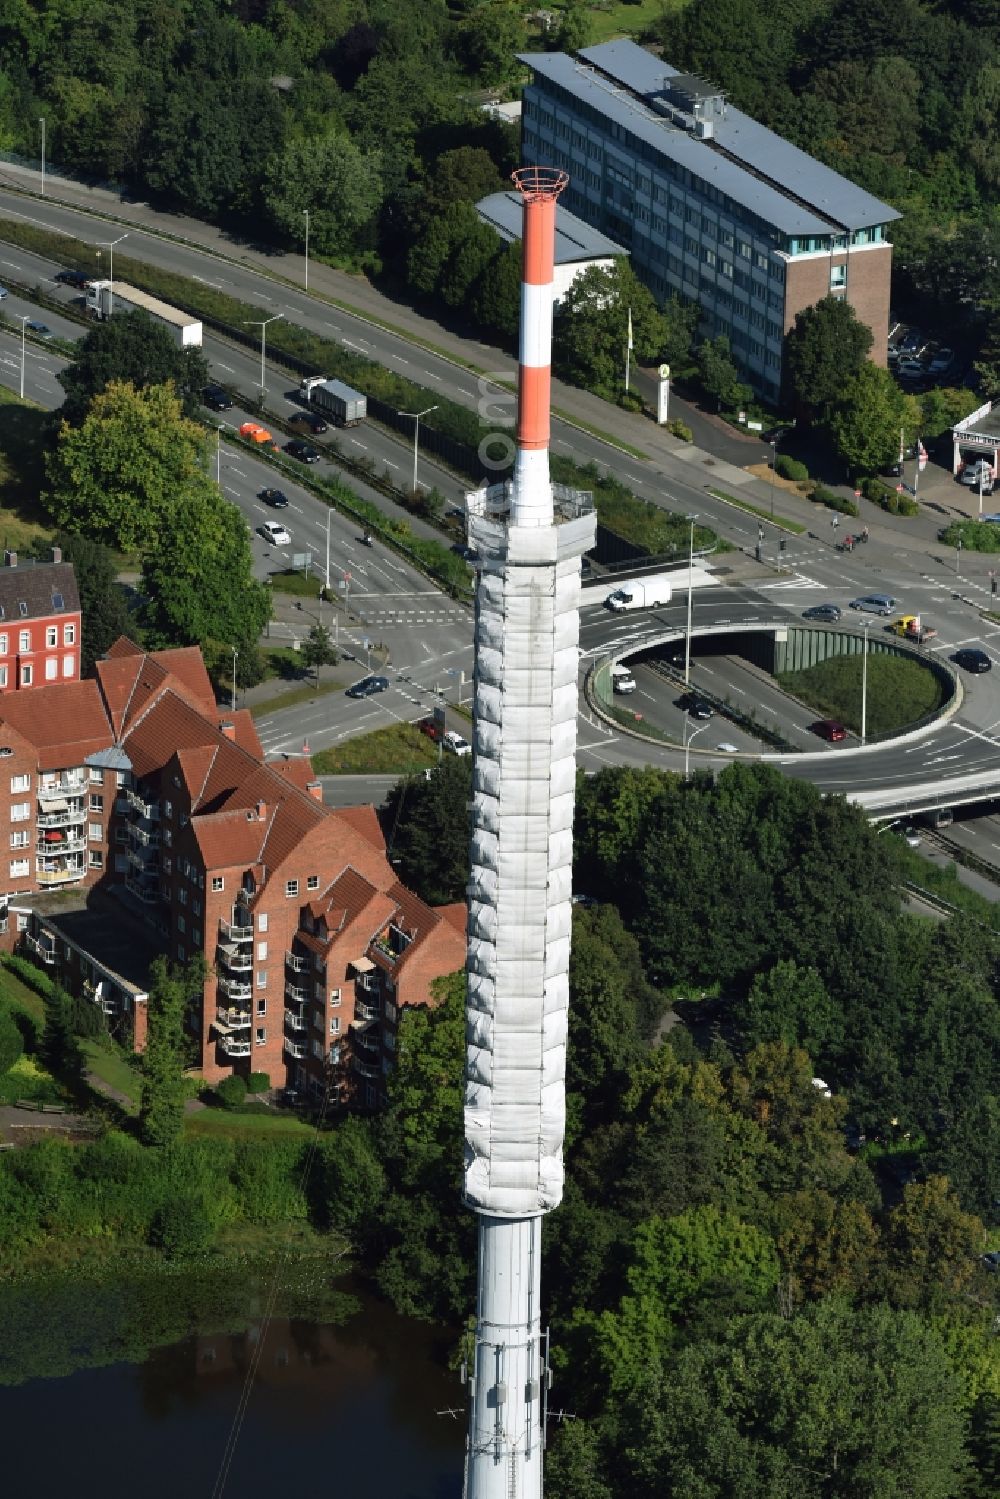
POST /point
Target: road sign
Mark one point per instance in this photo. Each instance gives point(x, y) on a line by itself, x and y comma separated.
point(755, 426)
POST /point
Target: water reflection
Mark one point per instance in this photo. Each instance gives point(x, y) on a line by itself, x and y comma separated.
point(350, 1409)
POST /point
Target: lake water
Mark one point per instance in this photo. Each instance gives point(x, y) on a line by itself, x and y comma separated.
point(348, 1410)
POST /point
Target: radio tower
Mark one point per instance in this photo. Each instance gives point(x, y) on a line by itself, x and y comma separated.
point(530, 537)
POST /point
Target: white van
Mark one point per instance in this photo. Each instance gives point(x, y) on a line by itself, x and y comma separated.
point(622, 679)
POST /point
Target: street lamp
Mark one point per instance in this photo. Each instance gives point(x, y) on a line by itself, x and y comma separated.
point(109, 245)
point(305, 215)
point(42, 123)
point(235, 654)
point(416, 415)
point(262, 323)
point(329, 512)
point(864, 681)
point(25, 318)
point(687, 635)
point(688, 739)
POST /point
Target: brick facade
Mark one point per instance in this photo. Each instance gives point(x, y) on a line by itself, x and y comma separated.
point(40, 623)
point(866, 275)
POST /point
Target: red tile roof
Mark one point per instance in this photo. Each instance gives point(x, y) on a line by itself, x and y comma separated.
point(363, 820)
point(64, 721)
point(295, 768)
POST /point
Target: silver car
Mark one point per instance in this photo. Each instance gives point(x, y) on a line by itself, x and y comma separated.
point(875, 603)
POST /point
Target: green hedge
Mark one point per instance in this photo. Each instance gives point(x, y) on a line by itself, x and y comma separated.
point(791, 468)
point(27, 972)
point(887, 498)
point(833, 501)
point(640, 521)
point(975, 535)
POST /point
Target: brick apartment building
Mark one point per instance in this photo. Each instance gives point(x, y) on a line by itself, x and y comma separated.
point(135, 783)
point(709, 203)
point(39, 623)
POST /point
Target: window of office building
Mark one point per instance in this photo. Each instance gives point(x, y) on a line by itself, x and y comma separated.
point(838, 277)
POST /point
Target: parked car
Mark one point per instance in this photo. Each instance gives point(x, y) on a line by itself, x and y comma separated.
point(454, 744)
point(72, 278)
point(875, 603)
point(40, 330)
point(911, 369)
point(829, 728)
point(275, 533)
point(970, 658)
point(431, 728)
point(216, 398)
point(303, 451)
point(942, 361)
point(912, 342)
point(695, 706)
point(308, 421)
point(827, 613)
point(368, 686)
point(3, 293)
point(725, 748)
point(276, 498)
point(971, 474)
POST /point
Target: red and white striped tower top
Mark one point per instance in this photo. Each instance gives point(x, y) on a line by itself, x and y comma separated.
point(532, 500)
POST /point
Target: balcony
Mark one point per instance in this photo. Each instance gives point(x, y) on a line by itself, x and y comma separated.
point(234, 1020)
point(234, 1046)
point(292, 991)
point(362, 1068)
point(235, 988)
point(297, 1049)
point(48, 877)
point(296, 963)
point(61, 819)
point(296, 1021)
point(73, 843)
point(368, 1046)
point(367, 1012)
point(145, 839)
point(42, 947)
point(143, 858)
point(236, 960)
point(233, 933)
point(146, 808)
point(148, 894)
point(66, 785)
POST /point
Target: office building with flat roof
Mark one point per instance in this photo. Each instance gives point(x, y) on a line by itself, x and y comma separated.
point(710, 204)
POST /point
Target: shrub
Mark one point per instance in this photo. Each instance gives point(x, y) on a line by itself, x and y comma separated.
point(232, 1090)
point(680, 429)
point(791, 468)
point(258, 1082)
point(27, 972)
point(181, 1227)
point(975, 535)
point(885, 496)
point(834, 501)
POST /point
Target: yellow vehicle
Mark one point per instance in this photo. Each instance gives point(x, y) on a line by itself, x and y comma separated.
point(910, 627)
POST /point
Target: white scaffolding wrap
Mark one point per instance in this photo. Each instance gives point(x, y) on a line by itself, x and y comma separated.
point(520, 912)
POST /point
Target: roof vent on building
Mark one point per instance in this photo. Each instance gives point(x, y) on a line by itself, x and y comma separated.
point(57, 554)
point(261, 811)
point(228, 728)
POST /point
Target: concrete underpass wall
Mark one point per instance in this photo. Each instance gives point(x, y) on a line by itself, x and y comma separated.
point(795, 648)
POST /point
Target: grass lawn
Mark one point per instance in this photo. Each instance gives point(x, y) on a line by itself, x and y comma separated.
point(899, 691)
point(220, 1123)
point(29, 1079)
point(22, 519)
point(293, 696)
point(779, 521)
point(299, 583)
point(400, 749)
point(112, 1069)
point(609, 19)
point(19, 997)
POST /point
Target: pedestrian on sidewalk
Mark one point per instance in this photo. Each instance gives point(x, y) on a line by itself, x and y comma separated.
point(835, 522)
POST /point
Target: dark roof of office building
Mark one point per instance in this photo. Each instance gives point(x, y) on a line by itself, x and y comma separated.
point(35, 590)
point(743, 160)
point(575, 240)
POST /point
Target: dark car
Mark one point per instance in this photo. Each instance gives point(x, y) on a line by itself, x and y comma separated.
point(695, 706)
point(276, 498)
point(40, 330)
point(368, 686)
point(828, 613)
point(303, 451)
point(71, 278)
point(829, 728)
point(972, 659)
point(431, 728)
point(308, 421)
point(217, 399)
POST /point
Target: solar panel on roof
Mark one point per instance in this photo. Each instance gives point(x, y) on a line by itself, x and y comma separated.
point(58, 601)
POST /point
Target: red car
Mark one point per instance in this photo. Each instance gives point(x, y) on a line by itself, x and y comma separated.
point(829, 728)
point(432, 729)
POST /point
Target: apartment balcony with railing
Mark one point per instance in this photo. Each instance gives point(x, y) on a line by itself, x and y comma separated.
point(364, 1070)
point(231, 931)
point(59, 874)
point(235, 1046)
point(144, 837)
point(143, 888)
point(70, 783)
point(52, 843)
point(236, 959)
point(297, 1049)
point(296, 963)
point(367, 1045)
point(296, 1020)
point(144, 805)
point(297, 993)
point(43, 947)
point(234, 1019)
point(62, 817)
point(235, 988)
point(143, 858)
point(365, 1010)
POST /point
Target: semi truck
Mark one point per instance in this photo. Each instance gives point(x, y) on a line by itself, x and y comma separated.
point(640, 593)
point(104, 296)
point(345, 405)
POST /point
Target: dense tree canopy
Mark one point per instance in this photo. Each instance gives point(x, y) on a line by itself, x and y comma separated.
point(136, 348)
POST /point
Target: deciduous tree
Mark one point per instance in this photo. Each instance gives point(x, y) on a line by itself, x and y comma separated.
point(338, 182)
point(130, 347)
point(317, 649)
point(866, 422)
point(102, 601)
point(161, 1106)
point(823, 350)
point(427, 829)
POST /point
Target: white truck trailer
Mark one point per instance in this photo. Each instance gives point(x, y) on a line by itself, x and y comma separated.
point(103, 298)
point(345, 405)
